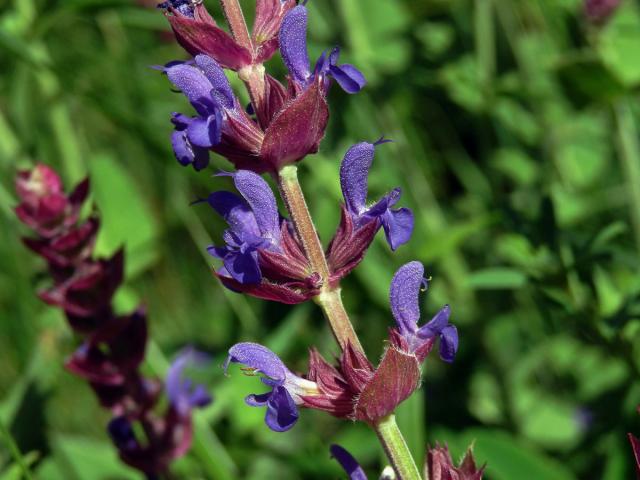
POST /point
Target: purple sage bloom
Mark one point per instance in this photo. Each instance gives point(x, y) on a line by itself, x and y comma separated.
point(286, 388)
point(254, 223)
point(208, 89)
point(184, 7)
point(405, 306)
point(293, 47)
point(184, 395)
point(354, 173)
point(348, 463)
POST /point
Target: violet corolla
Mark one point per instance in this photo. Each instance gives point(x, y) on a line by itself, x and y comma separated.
point(404, 295)
point(287, 389)
point(261, 256)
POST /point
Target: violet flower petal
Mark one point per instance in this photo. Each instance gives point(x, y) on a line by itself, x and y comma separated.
point(181, 149)
point(350, 79)
point(235, 211)
point(435, 326)
point(293, 44)
point(398, 226)
point(243, 267)
point(257, 400)
point(404, 296)
point(258, 357)
point(282, 412)
point(354, 176)
point(205, 132)
point(259, 196)
point(448, 343)
point(221, 90)
point(348, 463)
point(195, 85)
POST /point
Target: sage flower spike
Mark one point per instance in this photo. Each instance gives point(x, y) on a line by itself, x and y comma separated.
point(283, 399)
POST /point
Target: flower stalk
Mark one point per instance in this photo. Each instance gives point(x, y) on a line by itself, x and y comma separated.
point(330, 299)
point(396, 449)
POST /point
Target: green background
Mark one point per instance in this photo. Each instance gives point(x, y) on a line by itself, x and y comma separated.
point(516, 145)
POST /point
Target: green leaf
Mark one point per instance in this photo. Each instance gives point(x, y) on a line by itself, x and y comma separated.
point(618, 44)
point(126, 218)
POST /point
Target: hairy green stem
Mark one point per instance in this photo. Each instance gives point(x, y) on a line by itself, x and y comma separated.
point(396, 449)
point(330, 300)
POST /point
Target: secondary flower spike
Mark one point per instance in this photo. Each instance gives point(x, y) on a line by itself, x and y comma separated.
point(286, 388)
point(360, 221)
point(404, 295)
point(261, 256)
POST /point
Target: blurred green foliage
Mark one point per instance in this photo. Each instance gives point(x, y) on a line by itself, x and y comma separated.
point(516, 144)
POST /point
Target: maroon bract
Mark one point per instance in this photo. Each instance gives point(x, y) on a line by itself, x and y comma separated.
point(358, 391)
point(439, 466)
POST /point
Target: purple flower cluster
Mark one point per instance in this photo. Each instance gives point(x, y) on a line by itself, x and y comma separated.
point(114, 345)
point(290, 121)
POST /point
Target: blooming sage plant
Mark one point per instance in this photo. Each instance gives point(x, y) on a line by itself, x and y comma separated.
point(277, 257)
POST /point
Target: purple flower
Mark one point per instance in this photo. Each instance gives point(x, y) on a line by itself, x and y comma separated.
point(404, 295)
point(354, 172)
point(348, 463)
point(254, 224)
point(183, 394)
point(286, 388)
point(293, 47)
point(209, 91)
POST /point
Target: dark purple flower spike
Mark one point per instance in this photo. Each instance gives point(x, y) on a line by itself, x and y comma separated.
point(404, 296)
point(348, 463)
point(293, 47)
point(286, 388)
point(184, 395)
